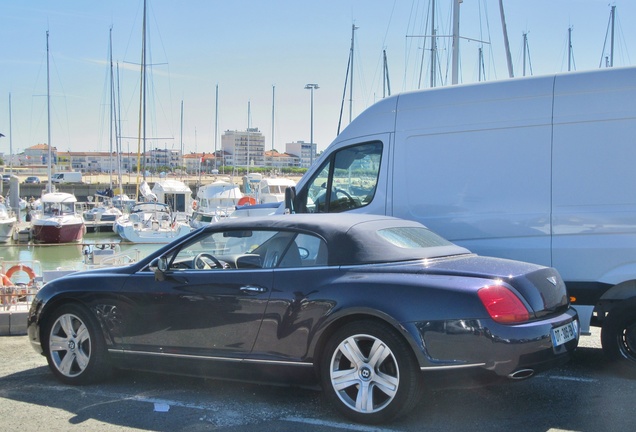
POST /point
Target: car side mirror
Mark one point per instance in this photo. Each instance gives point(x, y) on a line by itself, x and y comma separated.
point(159, 266)
point(290, 197)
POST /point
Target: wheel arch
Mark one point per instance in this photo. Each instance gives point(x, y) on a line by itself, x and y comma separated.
point(617, 296)
point(360, 315)
point(53, 304)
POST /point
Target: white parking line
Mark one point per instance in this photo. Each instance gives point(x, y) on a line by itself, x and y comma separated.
point(569, 378)
point(345, 426)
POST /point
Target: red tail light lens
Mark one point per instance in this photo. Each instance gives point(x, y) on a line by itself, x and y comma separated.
point(503, 305)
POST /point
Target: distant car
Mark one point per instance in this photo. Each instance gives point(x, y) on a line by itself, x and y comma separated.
point(6, 178)
point(363, 304)
point(32, 179)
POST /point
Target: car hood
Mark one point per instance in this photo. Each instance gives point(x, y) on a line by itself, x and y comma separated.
point(541, 287)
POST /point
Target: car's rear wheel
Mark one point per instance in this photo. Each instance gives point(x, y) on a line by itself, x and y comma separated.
point(618, 336)
point(369, 372)
point(74, 347)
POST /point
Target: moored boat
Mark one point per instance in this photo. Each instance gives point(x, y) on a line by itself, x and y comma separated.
point(150, 222)
point(58, 220)
point(7, 223)
point(214, 201)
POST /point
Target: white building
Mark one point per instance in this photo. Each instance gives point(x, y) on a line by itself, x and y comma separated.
point(303, 151)
point(246, 147)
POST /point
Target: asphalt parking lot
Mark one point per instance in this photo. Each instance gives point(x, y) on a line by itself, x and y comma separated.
point(585, 395)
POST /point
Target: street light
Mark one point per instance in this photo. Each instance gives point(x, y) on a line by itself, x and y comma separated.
point(312, 87)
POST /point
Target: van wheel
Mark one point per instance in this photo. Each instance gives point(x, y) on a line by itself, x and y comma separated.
point(618, 336)
point(74, 346)
point(369, 373)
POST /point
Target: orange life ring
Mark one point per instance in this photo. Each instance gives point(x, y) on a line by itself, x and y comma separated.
point(21, 267)
point(246, 200)
point(194, 205)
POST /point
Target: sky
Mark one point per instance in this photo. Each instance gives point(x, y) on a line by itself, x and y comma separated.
point(258, 57)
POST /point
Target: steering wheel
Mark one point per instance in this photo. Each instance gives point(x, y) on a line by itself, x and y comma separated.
point(346, 194)
point(204, 260)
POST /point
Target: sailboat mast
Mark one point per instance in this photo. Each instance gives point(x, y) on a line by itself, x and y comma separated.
point(142, 102)
point(386, 84)
point(569, 49)
point(525, 50)
point(353, 29)
point(480, 59)
point(48, 113)
point(612, 17)
point(506, 42)
point(455, 61)
point(181, 131)
point(10, 138)
point(433, 44)
point(118, 138)
point(247, 163)
point(273, 108)
point(144, 82)
point(112, 106)
point(216, 125)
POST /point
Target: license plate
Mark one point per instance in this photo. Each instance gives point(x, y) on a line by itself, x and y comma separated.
point(563, 334)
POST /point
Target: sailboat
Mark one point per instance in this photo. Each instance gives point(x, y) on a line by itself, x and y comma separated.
point(58, 221)
point(157, 219)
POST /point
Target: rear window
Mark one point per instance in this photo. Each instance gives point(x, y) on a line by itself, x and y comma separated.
point(412, 237)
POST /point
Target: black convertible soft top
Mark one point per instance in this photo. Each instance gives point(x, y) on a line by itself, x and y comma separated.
point(352, 238)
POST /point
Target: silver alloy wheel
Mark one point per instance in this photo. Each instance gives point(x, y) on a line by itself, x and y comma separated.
point(364, 373)
point(70, 345)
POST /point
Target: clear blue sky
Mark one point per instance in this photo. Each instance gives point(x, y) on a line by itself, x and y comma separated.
point(248, 46)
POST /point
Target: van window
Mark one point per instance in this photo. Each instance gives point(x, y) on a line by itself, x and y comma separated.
point(346, 180)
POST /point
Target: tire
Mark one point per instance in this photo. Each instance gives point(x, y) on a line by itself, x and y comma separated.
point(369, 373)
point(618, 337)
point(74, 346)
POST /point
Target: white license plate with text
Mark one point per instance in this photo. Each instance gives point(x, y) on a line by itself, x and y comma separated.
point(563, 334)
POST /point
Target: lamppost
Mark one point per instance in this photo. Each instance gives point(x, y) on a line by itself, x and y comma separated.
point(311, 87)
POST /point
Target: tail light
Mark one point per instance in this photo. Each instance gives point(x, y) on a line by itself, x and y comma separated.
point(503, 305)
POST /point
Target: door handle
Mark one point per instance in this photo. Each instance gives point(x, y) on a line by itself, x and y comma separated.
point(251, 289)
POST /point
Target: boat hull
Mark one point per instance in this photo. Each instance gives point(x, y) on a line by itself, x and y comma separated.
point(66, 233)
point(130, 233)
point(6, 229)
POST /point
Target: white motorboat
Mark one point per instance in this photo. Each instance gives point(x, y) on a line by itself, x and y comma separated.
point(57, 221)
point(100, 213)
point(7, 223)
point(214, 201)
point(272, 189)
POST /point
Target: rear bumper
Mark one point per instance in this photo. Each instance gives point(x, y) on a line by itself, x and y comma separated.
point(503, 350)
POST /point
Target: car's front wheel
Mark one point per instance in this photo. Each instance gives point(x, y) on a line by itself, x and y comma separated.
point(370, 373)
point(74, 346)
point(618, 336)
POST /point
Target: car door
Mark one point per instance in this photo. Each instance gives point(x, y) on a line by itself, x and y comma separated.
point(210, 311)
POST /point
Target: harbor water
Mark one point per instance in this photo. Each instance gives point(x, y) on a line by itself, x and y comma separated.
point(70, 255)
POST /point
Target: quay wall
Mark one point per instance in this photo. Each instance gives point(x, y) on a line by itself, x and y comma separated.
point(83, 190)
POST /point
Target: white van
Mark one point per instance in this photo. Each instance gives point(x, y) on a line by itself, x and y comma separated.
point(67, 177)
point(538, 169)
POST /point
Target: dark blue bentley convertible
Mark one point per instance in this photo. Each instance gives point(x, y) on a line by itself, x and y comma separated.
point(364, 305)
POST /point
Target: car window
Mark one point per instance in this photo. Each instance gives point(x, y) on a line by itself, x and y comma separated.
point(345, 181)
point(249, 249)
point(412, 237)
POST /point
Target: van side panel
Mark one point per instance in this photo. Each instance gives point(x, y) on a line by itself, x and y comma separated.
point(594, 191)
point(474, 165)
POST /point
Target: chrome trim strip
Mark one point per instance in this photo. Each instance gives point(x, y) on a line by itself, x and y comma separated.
point(464, 366)
point(234, 360)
